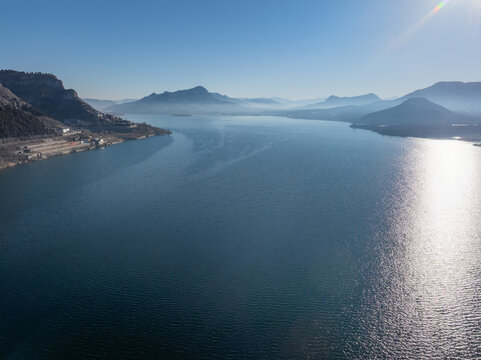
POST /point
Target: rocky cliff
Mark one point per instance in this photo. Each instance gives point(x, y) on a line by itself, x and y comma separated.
point(47, 94)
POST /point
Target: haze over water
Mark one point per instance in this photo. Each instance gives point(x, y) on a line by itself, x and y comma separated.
point(244, 237)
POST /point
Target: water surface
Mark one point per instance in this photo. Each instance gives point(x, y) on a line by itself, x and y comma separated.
point(244, 237)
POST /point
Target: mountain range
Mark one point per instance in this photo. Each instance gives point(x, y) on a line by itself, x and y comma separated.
point(414, 110)
point(335, 101)
point(101, 105)
point(40, 102)
point(200, 100)
point(455, 95)
point(443, 110)
point(195, 100)
point(420, 117)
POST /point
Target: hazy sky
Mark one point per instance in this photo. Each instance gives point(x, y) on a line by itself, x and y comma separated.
point(296, 49)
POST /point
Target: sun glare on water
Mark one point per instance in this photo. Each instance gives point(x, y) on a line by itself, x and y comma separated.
point(429, 274)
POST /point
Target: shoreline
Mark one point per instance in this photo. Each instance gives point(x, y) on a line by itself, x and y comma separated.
point(474, 140)
point(420, 132)
point(23, 151)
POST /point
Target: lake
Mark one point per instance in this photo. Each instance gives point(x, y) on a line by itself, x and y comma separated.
point(244, 237)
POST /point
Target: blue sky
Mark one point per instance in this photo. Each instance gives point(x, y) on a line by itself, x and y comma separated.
point(297, 49)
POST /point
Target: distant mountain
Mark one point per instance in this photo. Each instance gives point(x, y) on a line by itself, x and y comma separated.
point(350, 113)
point(307, 101)
point(100, 105)
point(47, 94)
point(20, 119)
point(198, 94)
point(193, 100)
point(262, 101)
point(222, 97)
point(410, 115)
point(253, 102)
point(419, 117)
point(334, 101)
point(457, 96)
point(122, 101)
point(196, 100)
point(297, 103)
point(414, 111)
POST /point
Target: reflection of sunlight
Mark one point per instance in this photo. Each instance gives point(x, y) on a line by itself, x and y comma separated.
point(446, 216)
point(442, 244)
point(431, 270)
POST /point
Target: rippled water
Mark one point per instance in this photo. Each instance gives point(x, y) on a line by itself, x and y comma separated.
point(244, 238)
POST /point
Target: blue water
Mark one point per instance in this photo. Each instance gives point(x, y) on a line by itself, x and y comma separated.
point(244, 237)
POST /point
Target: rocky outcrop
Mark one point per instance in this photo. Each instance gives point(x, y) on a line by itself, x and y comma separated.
point(19, 119)
point(47, 94)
